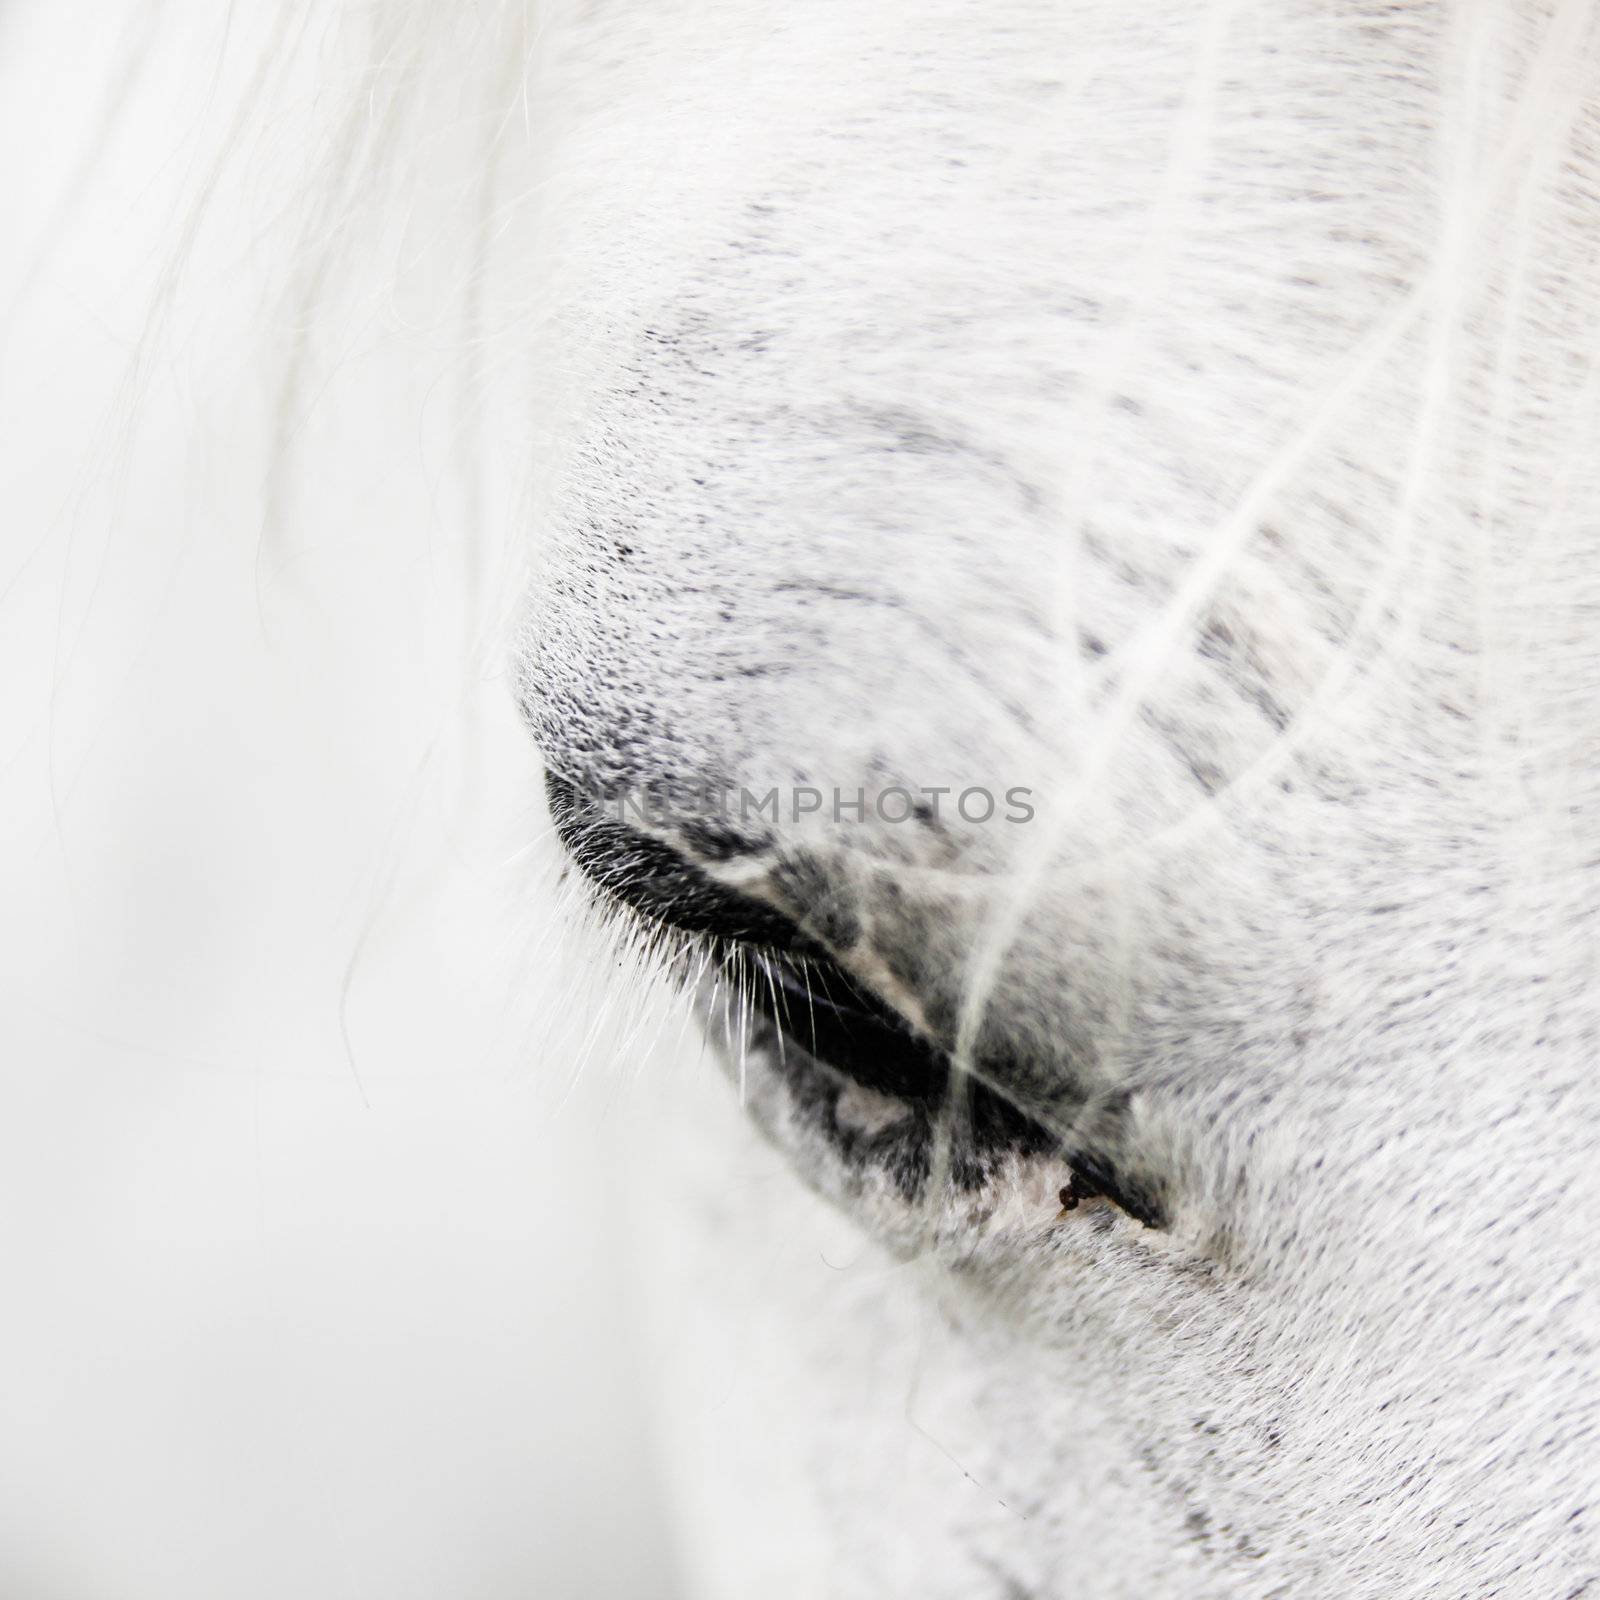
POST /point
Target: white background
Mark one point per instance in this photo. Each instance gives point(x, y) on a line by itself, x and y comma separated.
point(313, 1243)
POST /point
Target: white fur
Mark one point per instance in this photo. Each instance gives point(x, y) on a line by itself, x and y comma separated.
point(1188, 412)
point(910, 343)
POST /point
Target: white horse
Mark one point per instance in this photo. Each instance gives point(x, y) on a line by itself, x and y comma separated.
point(1065, 618)
point(1185, 414)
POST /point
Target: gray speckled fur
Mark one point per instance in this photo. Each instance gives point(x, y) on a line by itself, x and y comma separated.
point(1187, 413)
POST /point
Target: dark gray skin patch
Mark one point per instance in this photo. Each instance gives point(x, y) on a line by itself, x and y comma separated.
point(828, 913)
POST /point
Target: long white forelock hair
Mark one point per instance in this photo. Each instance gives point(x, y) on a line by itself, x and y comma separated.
point(394, 163)
point(398, 166)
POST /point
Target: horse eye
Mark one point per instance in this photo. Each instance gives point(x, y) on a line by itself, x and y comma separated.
point(883, 1091)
